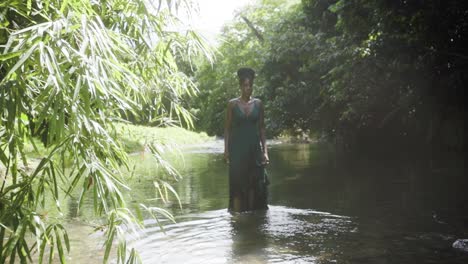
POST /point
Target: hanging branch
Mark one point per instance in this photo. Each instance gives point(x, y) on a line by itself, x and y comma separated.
point(251, 26)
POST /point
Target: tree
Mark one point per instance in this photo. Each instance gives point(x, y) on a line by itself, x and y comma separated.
point(374, 75)
point(243, 43)
point(389, 59)
point(69, 70)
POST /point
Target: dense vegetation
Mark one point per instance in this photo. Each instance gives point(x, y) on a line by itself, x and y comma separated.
point(69, 70)
point(367, 74)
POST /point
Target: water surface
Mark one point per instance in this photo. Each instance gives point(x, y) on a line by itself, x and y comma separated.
point(322, 210)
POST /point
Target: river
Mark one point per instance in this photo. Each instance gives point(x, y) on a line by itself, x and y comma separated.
point(321, 210)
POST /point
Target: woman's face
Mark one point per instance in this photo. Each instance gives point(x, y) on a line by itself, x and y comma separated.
point(246, 87)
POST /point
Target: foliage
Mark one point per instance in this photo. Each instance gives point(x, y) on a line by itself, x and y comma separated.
point(384, 66)
point(364, 73)
point(241, 45)
point(69, 70)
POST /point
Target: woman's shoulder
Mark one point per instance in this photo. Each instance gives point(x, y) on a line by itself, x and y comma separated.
point(232, 102)
point(257, 101)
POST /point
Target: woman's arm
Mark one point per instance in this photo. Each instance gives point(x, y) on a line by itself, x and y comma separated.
point(227, 130)
point(266, 159)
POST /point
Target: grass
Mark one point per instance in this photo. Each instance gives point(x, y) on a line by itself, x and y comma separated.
point(136, 137)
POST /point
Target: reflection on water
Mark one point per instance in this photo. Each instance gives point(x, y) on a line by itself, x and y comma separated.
point(398, 210)
point(280, 234)
point(249, 237)
point(197, 238)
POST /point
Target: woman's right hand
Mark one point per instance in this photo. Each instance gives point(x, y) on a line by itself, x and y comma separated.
point(265, 159)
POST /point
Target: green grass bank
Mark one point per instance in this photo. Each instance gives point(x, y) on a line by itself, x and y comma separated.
point(135, 137)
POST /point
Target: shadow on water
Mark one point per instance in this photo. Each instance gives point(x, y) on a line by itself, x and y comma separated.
point(408, 208)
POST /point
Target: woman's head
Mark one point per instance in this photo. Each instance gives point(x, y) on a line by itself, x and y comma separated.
point(246, 77)
point(246, 73)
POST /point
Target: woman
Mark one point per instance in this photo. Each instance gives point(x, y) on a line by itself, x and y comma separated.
point(245, 148)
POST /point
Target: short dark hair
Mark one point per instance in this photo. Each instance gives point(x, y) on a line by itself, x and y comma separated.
point(246, 73)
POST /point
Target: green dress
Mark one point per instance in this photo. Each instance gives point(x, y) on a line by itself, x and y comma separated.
point(247, 176)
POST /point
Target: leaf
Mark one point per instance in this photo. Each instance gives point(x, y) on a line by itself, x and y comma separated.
point(22, 60)
point(336, 7)
point(10, 55)
point(109, 242)
point(59, 245)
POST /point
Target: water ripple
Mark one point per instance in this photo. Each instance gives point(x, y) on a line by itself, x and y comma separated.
point(279, 235)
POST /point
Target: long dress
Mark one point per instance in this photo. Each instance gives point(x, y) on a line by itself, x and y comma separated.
point(247, 177)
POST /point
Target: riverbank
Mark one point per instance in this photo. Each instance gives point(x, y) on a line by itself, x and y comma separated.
point(134, 138)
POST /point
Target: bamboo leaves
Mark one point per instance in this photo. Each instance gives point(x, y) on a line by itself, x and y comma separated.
point(68, 70)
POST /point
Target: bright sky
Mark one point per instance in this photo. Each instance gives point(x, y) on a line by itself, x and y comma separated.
point(213, 14)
